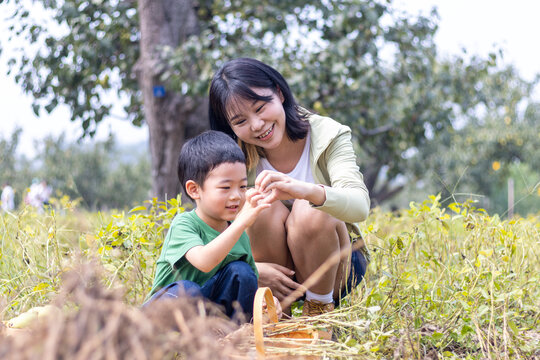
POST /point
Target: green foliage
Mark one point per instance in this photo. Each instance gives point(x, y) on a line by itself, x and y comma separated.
point(35, 250)
point(96, 173)
point(499, 140)
point(359, 61)
point(86, 56)
point(526, 190)
point(101, 174)
point(8, 160)
point(456, 282)
point(446, 282)
point(129, 245)
point(15, 170)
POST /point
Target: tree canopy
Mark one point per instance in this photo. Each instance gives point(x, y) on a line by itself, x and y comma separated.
point(360, 62)
point(497, 140)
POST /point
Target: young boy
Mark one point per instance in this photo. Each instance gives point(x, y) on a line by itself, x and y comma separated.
point(205, 252)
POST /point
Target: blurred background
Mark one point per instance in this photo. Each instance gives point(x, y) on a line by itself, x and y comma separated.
point(441, 96)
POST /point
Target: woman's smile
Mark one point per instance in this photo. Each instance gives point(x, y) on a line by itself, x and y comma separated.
point(267, 134)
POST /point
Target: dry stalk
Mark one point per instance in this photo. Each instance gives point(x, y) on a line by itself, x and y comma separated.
point(317, 274)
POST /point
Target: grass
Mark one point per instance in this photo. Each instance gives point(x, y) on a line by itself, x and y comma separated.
point(442, 282)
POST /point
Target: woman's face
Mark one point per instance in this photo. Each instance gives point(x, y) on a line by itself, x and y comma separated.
point(258, 122)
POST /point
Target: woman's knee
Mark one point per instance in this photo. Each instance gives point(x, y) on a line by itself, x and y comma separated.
point(273, 217)
point(308, 222)
point(268, 237)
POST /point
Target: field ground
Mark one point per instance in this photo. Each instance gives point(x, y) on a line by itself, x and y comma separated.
point(442, 283)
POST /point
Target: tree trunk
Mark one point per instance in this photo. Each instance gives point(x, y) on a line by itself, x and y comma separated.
point(170, 116)
point(379, 192)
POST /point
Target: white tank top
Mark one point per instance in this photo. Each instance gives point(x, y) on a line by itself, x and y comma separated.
point(302, 170)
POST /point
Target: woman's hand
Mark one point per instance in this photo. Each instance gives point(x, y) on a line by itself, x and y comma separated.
point(277, 186)
point(277, 278)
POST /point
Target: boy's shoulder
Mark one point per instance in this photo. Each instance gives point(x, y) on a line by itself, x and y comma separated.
point(190, 220)
point(185, 217)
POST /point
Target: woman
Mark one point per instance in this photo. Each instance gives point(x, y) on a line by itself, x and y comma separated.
point(308, 162)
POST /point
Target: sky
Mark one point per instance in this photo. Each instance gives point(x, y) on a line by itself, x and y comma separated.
point(480, 26)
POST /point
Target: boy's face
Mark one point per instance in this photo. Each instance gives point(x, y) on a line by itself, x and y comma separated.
point(222, 194)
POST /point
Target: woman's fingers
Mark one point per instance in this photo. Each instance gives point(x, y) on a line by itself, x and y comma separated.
point(277, 278)
point(279, 186)
point(282, 269)
point(267, 177)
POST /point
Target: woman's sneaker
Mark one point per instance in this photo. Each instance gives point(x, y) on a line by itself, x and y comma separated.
point(314, 308)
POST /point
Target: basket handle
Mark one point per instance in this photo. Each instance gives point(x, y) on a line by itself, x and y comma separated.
point(266, 294)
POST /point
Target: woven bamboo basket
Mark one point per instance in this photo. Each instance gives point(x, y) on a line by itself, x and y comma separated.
point(267, 329)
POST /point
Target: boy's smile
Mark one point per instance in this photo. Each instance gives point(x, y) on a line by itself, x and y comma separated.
point(222, 194)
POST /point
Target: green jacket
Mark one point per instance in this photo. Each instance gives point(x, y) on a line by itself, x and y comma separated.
point(333, 164)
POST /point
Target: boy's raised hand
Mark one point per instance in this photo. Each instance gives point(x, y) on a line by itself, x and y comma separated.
point(252, 207)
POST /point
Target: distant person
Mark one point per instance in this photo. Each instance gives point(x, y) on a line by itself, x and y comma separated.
point(38, 194)
point(8, 198)
point(205, 252)
point(44, 193)
point(31, 197)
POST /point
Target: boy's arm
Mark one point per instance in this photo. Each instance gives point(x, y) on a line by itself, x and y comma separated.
point(207, 257)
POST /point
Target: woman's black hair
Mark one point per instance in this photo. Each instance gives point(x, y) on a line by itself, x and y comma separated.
point(236, 78)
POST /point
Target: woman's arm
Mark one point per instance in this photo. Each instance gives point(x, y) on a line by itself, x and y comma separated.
point(278, 186)
point(347, 197)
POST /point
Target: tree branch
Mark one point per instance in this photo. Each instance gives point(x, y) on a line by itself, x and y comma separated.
point(382, 196)
point(376, 131)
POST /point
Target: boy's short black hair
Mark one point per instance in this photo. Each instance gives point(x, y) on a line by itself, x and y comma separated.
point(201, 154)
point(236, 78)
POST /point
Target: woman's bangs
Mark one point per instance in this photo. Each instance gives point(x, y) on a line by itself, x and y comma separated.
point(240, 93)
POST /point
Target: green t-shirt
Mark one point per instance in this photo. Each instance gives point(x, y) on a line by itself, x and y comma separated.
point(188, 230)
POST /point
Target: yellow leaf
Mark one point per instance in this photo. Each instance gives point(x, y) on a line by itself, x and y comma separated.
point(455, 207)
point(477, 263)
point(41, 286)
point(138, 208)
point(486, 253)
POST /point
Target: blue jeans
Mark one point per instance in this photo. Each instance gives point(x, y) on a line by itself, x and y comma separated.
point(356, 273)
point(235, 282)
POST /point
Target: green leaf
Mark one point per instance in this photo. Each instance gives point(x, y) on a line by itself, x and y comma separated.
point(513, 327)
